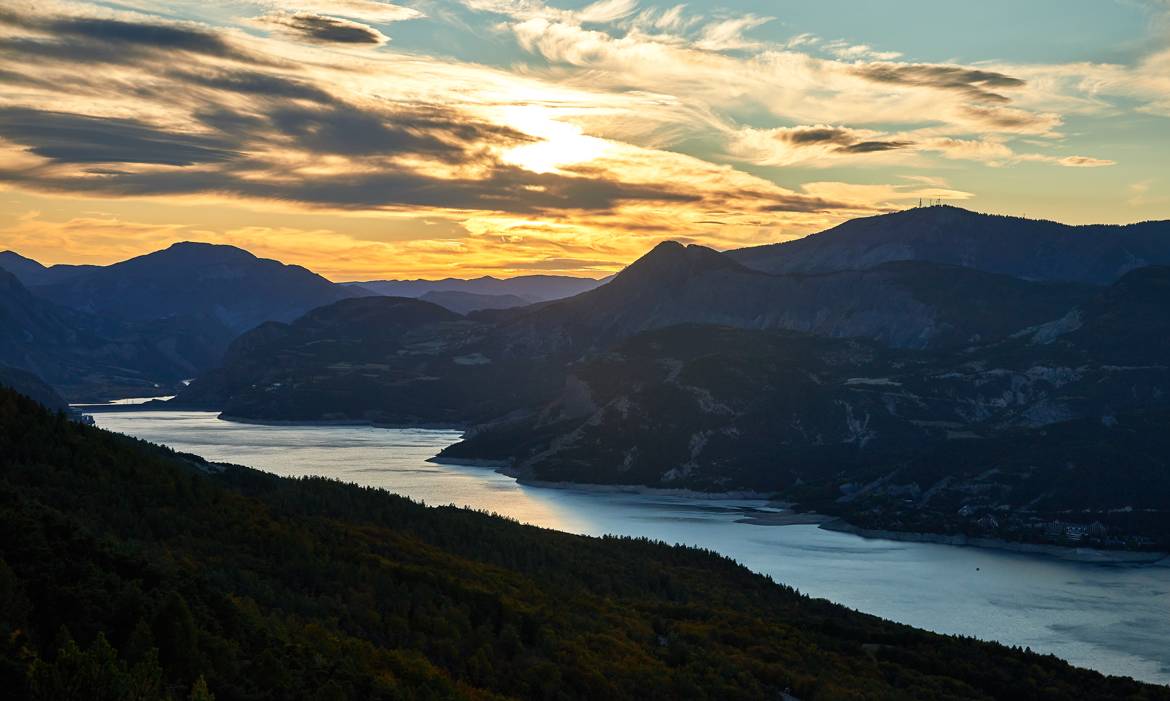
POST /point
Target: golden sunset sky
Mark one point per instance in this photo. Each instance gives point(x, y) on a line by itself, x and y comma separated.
point(437, 138)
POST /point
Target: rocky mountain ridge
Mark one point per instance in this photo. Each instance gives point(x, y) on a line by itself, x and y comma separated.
point(1025, 248)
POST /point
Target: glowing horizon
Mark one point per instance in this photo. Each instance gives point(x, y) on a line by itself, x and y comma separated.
point(367, 140)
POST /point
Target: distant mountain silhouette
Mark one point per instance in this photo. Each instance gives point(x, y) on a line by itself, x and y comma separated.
point(87, 357)
point(910, 304)
point(31, 273)
point(895, 394)
point(508, 359)
point(193, 279)
point(1025, 248)
point(464, 302)
point(532, 288)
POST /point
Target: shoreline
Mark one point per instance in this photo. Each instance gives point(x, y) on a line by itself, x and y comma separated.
point(1062, 552)
point(151, 404)
point(642, 490)
point(766, 519)
point(503, 467)
point(497, 465)
point(310, 423)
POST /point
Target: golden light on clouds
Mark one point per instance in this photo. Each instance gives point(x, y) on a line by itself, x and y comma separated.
point(632, 124)
point(559, 144)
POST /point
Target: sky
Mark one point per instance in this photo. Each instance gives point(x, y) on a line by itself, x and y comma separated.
point(434, 138)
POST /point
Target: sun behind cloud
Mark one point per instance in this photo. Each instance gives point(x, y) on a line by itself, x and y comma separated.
point(537, 137)
point(559, 144)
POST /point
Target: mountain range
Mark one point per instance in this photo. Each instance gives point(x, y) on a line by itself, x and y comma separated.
point(466, 302)
point(30, 272)
point(87, 357)
point(1024, 248)
point(531, 288)
point(845, 374)
point(1065, 417)
point(521, 353)
point(188, 280)
point(845, 371)
point(141, 326)
point(170, 315)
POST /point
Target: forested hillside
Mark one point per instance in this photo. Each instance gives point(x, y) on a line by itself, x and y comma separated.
point(130, 572)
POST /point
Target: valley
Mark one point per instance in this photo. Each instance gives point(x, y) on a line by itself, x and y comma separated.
point(1047, 604)
point(551, 350)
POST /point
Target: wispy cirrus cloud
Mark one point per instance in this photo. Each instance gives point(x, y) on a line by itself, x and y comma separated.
point(620, 124)
point(362, 10)
point(275, 122)
point(323, 28)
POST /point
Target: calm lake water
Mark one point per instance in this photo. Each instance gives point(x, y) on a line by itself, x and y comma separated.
point(1113, 618)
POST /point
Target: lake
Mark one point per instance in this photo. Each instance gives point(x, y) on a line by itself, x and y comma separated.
point(1109, 617)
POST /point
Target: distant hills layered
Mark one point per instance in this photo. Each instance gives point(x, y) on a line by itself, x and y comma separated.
point(909, 304)
point(223, 283)
point(88, 357)
point(522, 354)
point(31, 273)
point(391, 360)
point(529, 288)
point(467, 302)
point(140, 326)
point(868, 371)
point(1063, 418)
point(895, 370)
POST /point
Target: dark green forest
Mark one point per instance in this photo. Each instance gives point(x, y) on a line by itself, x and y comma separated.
point(128, 571)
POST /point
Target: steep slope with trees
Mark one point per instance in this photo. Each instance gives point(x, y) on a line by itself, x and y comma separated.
point(130, 572)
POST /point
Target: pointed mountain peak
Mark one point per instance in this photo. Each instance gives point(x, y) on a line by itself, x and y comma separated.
point(21, 266)
point(14, 257)
point(671, 259)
